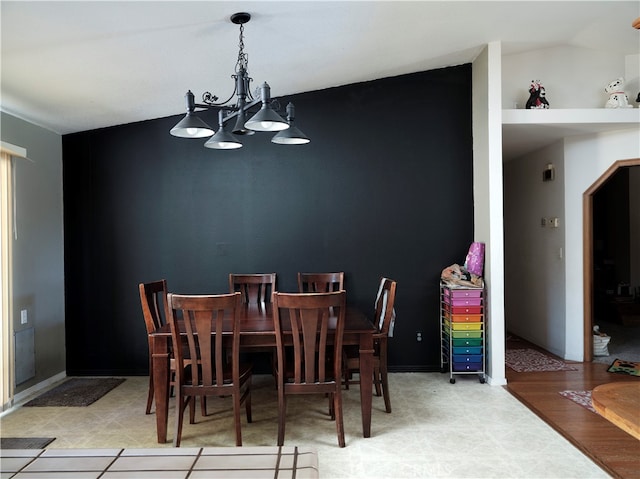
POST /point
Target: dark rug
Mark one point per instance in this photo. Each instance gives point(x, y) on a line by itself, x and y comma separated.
point(530, 360)
point(625, 367)
point(25, 442)
point(76, 392)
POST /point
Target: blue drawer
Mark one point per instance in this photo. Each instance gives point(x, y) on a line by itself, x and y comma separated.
point(467, 350)
point(467, 358)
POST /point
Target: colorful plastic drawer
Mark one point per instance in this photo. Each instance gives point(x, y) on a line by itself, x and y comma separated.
point(466, 326)
point(466, 309)
point(466, 334)
point(467, 366)
point(467, 350)
point(467, 318)
point(466, 301)
point(467, 342)
point(466, 293)
point(467, 358)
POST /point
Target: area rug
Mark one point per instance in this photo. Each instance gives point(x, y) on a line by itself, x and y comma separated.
point(530, 360)
point(625, 367)
point(583, 398)
point(25, 442)
point(76, 392)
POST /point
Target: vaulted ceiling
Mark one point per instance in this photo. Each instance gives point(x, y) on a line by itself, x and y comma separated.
point(75, 66)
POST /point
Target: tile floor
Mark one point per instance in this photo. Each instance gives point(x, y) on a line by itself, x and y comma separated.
point(194, 463)
point(436, 429)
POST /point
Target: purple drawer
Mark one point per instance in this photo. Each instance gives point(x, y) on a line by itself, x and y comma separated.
point(467, 366)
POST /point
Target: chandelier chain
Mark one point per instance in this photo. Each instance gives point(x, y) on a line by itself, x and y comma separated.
point(243, 58)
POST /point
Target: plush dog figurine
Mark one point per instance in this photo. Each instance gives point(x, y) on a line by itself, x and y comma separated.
point(537, 96)
point(617, 96)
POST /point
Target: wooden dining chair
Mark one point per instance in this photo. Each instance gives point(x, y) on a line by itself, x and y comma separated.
point(304, 319)
point(320, 282)
point(255, 288)
point(153, 298)
point(384, 319)
point(217, 373)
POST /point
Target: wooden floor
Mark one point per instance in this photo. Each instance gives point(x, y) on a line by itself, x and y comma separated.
point(616, 451)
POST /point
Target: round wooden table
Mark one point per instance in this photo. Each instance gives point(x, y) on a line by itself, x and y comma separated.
point(619, 402)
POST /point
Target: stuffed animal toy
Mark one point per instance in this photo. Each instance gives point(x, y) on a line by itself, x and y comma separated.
point(617, 96)
point(537, 96)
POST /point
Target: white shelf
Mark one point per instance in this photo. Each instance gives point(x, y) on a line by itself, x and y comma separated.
point(524, 131)
point(572, 116)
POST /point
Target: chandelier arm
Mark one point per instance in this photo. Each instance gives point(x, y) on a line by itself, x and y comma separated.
point(214, 104)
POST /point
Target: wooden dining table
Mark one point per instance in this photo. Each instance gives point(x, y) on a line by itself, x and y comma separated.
point(257, 331)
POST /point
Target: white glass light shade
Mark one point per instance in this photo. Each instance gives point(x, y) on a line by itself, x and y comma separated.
point(191, 126)
point(266, 120)
point(290, 136)
point(223, 140)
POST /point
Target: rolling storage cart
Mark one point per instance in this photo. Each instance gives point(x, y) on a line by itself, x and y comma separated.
point(462, 331)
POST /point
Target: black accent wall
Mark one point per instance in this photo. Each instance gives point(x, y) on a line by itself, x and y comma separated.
point(383, 189)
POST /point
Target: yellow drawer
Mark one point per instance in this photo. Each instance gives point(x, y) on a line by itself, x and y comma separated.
point(467, 326)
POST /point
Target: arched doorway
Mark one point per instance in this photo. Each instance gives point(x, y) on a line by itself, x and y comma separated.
point(588, 250)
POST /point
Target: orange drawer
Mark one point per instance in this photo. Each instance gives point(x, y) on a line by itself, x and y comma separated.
point(467, 318)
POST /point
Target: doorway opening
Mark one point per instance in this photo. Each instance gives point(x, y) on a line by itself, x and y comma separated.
point(589, 249)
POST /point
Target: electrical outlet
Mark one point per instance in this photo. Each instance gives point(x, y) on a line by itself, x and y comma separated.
point(23, 316)
point(418, 336)
point(543, 222)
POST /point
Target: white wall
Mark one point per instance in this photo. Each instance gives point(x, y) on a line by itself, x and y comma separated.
point(586, 159)
point(534, 273)
point(487, 194)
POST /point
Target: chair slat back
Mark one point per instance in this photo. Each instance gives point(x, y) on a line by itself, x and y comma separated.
point(309, 318)
point(153, 299)
point(255, 288)
point(320, 282)
point(204, 317)
point(385, 300)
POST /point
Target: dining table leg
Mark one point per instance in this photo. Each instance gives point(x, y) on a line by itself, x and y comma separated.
point(160, 357)
point(366, 381)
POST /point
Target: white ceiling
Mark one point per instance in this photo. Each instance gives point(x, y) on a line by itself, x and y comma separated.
point(80, 65)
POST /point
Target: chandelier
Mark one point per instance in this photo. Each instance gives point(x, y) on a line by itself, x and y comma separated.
point(265, 119)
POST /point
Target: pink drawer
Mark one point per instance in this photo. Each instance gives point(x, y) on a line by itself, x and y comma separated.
point(466, 301)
